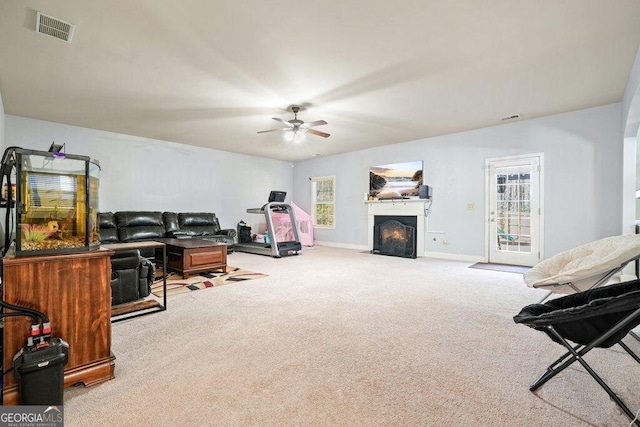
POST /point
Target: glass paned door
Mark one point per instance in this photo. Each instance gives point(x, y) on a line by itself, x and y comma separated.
point(514, 211)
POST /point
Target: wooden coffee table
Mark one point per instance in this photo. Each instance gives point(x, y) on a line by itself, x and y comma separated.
point(188, 256)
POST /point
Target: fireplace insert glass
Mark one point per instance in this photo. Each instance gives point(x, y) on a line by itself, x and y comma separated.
point(395, 236)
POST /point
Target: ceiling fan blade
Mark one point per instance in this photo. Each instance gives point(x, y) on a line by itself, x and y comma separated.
point(282, 121)
point(316, 123)
point(272, 130)
point(317, 132)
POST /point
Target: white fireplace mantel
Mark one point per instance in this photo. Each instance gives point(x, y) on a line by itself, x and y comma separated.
point(400, 207)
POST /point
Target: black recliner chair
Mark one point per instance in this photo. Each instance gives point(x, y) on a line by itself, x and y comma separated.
point(131, 276)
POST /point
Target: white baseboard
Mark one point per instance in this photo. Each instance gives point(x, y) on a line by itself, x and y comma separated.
point(439, 255)
point(455, 257)
point(342, 245)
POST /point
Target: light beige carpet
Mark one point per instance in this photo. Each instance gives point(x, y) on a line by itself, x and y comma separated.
point(177, 285)
point(339, 337)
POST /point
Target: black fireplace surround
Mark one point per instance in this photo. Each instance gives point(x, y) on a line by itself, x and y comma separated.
point(395, 235)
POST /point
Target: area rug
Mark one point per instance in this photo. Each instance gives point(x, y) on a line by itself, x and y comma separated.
point(501, 267)
point(177, 285)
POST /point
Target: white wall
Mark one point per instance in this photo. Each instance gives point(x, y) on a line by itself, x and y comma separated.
point(583, 177)
point(631, 100)
point(145, 174)
point(630, 125)
point(2, 125)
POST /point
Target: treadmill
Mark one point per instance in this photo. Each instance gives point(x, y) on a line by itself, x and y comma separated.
point(275, 249)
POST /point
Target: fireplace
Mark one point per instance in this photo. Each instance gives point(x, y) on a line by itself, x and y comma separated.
point(395, 235)
point(398, 210)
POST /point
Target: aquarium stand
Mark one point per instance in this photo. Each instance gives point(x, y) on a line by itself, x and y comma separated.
point(74, 291)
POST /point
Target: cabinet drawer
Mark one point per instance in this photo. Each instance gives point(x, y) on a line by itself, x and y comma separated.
point(205, 258)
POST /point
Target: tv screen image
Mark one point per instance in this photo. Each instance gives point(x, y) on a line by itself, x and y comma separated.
point(396, 180)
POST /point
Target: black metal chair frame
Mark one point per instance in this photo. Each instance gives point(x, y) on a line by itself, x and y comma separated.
point(613, 335)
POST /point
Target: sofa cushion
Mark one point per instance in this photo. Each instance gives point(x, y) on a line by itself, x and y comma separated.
point(198, 223)
point(139, 225)
point(138, 218)
point(132, 234)
point(171, 224)
point(107, 220)
point(190, 219)
point(108, 227)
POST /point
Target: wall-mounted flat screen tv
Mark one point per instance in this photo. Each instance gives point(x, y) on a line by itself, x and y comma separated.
point(395, 181)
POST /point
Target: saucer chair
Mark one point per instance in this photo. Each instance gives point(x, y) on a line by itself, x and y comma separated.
point(599, 317)
point(585, 267)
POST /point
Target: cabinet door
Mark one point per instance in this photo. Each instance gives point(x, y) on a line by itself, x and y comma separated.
point(74, 292)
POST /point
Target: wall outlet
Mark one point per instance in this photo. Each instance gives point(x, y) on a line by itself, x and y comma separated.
point(471, 206)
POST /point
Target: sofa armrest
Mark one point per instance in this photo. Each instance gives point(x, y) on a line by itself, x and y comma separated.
point(231, 232)
point(146, 276)
point(108, 227)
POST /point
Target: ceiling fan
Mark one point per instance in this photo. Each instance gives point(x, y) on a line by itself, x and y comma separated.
point(296, 129)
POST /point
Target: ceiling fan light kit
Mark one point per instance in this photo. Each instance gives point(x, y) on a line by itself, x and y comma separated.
point(297, 129)
point(297, 135)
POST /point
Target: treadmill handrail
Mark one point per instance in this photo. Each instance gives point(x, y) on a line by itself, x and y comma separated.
point(267, 206)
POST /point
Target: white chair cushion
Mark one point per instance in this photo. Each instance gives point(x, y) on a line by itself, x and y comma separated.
point(584, 265)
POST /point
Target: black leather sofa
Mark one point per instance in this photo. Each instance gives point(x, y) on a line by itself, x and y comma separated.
point(138, 226)
point(133, 272)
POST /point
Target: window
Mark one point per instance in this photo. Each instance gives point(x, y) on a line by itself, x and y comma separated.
point(323, 202)
point(52, 190)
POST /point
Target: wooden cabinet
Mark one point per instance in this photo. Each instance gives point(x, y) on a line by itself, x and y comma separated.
point(74, 291)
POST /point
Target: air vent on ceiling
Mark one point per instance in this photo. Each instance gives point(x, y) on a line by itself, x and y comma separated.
point(513, 116)
point(54, 27)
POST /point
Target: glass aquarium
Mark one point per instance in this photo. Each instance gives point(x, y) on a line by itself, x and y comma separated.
point(56, 203)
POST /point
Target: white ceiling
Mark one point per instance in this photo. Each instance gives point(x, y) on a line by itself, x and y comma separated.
point(212, 73)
